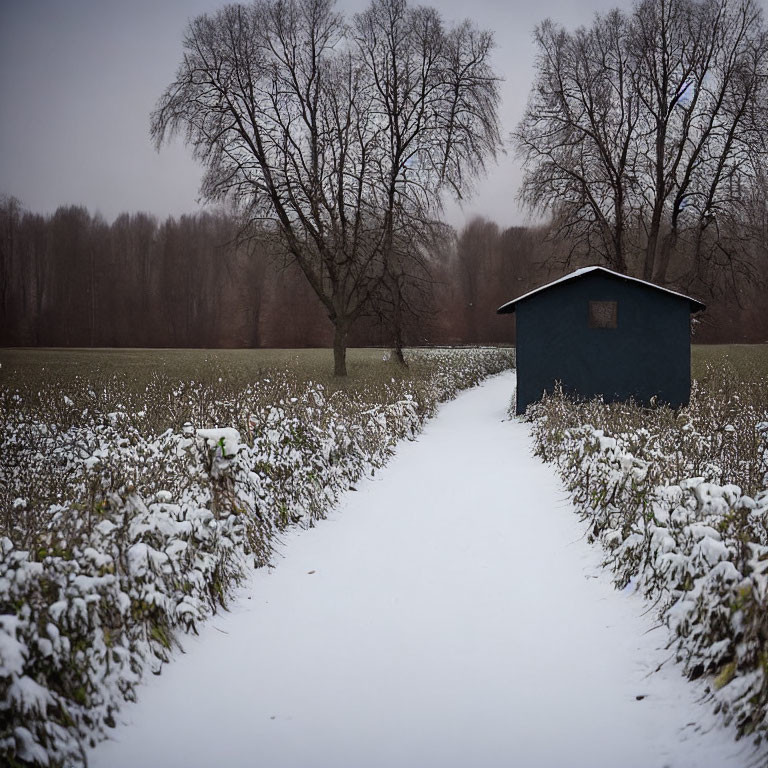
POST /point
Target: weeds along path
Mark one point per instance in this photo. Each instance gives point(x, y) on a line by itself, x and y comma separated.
point(449, 613)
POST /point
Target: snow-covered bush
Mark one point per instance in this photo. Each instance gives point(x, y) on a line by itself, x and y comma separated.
point(679, 501)
point(127, 514)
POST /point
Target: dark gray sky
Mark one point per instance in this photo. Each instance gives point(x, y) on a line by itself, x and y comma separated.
point(78, 79)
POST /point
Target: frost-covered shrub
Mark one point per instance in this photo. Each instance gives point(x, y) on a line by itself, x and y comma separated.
point(127, 514)
point(679, 501)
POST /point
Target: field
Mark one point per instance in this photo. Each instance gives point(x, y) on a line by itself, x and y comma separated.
point(138, 486)
point(34, 367)
point(748, 361)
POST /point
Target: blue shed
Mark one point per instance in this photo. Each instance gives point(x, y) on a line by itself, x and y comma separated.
point(603, 333)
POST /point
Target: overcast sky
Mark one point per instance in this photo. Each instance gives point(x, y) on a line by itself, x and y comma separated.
point(78, 79)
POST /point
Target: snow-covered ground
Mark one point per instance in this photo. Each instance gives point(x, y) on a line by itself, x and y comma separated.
point(449, 613)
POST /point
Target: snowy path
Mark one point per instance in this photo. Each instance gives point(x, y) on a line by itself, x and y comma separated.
point(448, 614)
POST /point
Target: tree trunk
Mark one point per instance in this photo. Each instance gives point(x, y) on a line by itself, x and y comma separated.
point(650, 250)
point(340, 349)
point(618, 233)
point(658, 202)
point(661, 266)
point(397, 318)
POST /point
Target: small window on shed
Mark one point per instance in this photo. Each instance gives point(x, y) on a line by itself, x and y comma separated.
point(603, 314)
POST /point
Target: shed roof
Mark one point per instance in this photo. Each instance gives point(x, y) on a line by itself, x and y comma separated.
point(696, 306)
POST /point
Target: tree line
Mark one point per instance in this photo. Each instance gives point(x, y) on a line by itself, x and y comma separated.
point(331, 142)
point(73, 279)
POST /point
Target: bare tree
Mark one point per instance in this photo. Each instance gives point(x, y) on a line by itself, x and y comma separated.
point(644, 129)
point(579, 131)
point(342, 135)
point(709, 65)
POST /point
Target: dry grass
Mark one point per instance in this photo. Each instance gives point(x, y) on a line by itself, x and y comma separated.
point(35, 367)
point(748, 361)
point(166, 388)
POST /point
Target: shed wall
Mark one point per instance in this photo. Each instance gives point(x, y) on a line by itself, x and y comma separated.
point(646, 355)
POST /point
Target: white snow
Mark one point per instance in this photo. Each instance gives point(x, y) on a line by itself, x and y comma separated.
point(584, 271)
point(226, 439)
point(450, 613)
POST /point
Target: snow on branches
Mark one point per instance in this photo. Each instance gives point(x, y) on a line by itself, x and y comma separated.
point(679, 501)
